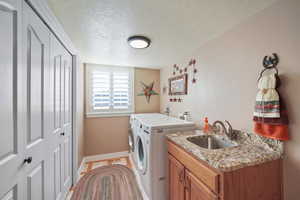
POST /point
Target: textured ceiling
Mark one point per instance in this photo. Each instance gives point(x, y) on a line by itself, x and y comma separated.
point(100, 28)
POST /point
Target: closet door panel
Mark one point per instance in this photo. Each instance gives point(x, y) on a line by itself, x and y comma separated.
point(66, 167)
point(36, 45)
point(67, 91)
point(62, 92)
point(57, 91)
point(57, 172)
point(55, 146)
point(60, 133)
point(66, 119)
point(11, 195)
point(35, 183)
point(35, 77)
point(67, 162)
point(11, 116)
point(7, 77)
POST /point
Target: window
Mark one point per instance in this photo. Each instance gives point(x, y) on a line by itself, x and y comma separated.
point(109, 90)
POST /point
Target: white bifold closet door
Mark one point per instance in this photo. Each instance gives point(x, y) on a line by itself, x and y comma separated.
point(49, 111)
point(60, 114)
point(12, 129)
point(35, 104)
point(36, 51)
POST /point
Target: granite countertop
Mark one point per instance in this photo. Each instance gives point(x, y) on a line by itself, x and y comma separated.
point(252, 150)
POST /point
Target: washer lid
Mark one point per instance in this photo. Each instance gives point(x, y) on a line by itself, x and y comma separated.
point(155, 120)
point(141, 155)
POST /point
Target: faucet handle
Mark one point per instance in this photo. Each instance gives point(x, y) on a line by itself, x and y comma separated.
point(230, 130)
point(229, 126)
point(218, 127)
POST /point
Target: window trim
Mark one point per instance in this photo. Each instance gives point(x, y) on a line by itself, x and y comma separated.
point(89, 112)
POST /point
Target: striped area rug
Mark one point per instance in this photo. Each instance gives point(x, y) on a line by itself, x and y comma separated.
point(115, 182)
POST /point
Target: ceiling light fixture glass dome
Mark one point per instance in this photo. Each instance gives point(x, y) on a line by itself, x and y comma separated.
point(139, 42)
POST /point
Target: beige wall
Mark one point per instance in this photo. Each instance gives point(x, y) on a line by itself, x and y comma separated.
point(106, 135)
point(80, 111)
point(146, 76)
point(110, 134)
point(228, 70)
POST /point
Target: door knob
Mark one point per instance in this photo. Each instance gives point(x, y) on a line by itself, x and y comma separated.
point(28, 160)
point(62, 134)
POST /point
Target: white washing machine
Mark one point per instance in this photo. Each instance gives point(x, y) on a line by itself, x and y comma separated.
point(132, 138)
point(135, 127)
point(151, 151)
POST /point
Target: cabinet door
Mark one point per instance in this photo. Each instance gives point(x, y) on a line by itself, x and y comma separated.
point(176, 179)
point(36, 49)
point(11, 99)
point(196, 190)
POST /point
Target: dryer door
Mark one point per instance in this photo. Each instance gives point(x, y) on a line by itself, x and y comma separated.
point(131, 141)
point(141, 155)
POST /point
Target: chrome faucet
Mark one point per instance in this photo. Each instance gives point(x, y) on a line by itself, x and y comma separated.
point(167, 111)
point(226, 131)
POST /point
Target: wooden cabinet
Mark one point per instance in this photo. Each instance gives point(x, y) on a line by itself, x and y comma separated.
point(184, 185)
point(196, 190)
point(176, 174)
point(192, 179)
point(207, 175)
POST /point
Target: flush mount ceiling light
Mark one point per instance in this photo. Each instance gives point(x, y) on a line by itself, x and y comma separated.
point(139, 42)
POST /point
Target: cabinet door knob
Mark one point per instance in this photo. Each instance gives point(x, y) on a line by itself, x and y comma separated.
point(28, 160)
point(62, 134)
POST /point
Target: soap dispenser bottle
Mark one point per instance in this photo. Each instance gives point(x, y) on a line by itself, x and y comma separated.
point(206, 127)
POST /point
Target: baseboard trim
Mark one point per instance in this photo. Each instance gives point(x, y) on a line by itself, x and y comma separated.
point(105, 156)
point(80, 169)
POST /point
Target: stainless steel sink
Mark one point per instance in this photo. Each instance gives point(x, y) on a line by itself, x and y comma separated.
point(211, 141)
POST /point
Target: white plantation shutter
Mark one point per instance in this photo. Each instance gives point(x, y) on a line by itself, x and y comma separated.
point(121, 90)
point(109, 90)
point(100, 90)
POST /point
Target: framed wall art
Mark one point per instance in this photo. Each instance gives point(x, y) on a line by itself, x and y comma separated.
point(178, 85)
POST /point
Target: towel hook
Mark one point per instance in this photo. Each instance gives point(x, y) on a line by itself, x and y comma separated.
point(270, 62)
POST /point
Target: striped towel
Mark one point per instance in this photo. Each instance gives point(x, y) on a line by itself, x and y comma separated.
point(270, 115)
point(267, 103)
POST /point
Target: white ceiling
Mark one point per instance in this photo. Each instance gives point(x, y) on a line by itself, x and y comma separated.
point(100, 28)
